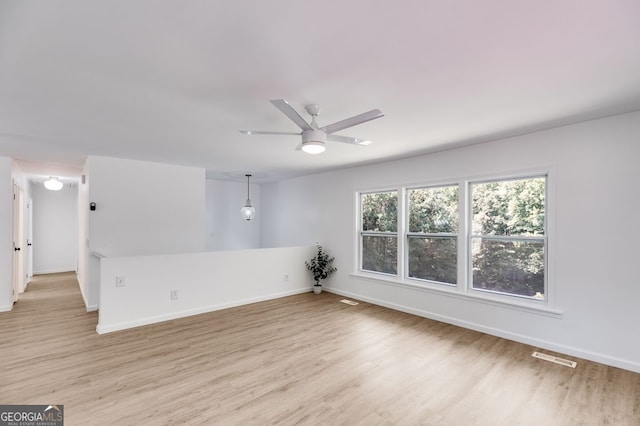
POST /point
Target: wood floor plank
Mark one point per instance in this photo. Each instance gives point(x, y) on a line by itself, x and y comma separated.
point(303, 360)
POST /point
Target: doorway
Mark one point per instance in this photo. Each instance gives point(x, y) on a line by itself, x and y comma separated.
point(19, 244)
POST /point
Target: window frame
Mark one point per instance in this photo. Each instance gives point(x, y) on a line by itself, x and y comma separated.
point(463, 289)
point(362, 233)
point(407, 235)
point(471, 236)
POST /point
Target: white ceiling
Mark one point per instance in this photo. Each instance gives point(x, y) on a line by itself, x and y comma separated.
point(174, 81)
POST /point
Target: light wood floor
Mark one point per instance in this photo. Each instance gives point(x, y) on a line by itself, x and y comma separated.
point(304, 359)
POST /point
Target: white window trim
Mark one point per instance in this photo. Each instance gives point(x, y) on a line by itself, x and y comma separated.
point(358, 227)
point(463, 288)
point(469, 236)
point(453, 291)
point(405, 234)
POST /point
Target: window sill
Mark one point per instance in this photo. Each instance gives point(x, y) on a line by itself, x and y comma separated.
point(455, 292)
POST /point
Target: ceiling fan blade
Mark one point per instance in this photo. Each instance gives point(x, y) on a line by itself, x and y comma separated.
point(348, 139)
point(288, 110)
point(353, 121)
point(260, 132)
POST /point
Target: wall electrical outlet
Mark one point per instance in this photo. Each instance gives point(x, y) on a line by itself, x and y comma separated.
point(174, 294)
point(119, 281)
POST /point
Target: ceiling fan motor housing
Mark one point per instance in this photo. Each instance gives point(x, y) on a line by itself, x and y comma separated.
point(313, 141)
point(313, 136)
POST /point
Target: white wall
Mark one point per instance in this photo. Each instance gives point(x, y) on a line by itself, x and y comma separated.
point(6, 235)
point(145, 208)
point(594, 248)
point(142, 208)
point(226, 230)
point(204, 282)
point(84, 257)
point(55, 229)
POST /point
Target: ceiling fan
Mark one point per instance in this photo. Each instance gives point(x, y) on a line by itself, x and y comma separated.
point(313, 136)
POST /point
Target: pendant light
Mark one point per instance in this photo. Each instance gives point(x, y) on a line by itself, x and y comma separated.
point(248, 212)
point(53, 184)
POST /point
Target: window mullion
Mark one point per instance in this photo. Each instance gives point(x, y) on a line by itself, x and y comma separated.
point(430, 235)
point(510, 237)
point(464, 238)
point(402, 229)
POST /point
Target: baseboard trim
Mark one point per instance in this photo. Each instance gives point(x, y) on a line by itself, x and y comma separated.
point(53, 271)
point(6, 308)
point(544, 344)
point(89, 307)
point(109, 328)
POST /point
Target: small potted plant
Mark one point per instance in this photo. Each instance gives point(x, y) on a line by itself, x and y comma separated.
point(320, 267)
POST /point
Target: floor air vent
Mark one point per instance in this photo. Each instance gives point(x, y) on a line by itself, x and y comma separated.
point(555, 359)
point(349, 302)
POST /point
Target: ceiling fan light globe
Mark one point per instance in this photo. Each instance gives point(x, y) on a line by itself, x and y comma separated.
point(313, 147)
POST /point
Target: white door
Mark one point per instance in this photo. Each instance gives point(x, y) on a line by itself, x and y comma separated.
point(18, 242)
point(29, 248)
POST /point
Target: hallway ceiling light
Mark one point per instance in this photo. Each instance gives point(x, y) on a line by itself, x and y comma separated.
point(248, 212)
point(53, 184)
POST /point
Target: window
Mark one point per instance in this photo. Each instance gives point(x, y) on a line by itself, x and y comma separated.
point(379, 232)
point(508, 237)
point(483, 238)
point(432, 237)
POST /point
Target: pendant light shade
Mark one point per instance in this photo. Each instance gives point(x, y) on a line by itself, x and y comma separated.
point(248, 212)
point(53, 184)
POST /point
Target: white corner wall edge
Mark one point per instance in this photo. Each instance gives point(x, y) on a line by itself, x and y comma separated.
point(84, 297)
point(91, 308)
point(568, 350)
point(191, 312)
point(5, 308)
